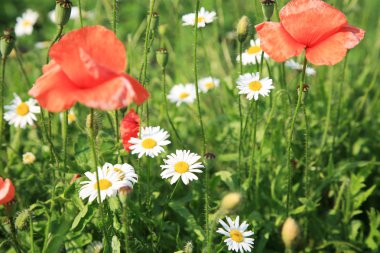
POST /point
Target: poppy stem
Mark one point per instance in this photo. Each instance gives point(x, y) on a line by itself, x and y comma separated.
point(64, 139)
point(80, 13)
point(31, 229)
point(307, 183)
point(114, 16)
point(240, 115)
point(289, 169)
point(2, 95)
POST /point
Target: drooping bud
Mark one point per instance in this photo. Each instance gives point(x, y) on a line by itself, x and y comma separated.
point(230, 201)
point(290, 233)
point(123, 194)
point(268, 8)
point(162, 57)
point(242, 28)
point(155, 21)
point(7, 42)
point(62, 12)
point(22, 219)
point(96, 123)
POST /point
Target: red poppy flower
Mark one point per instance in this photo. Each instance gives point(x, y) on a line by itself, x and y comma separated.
point(7, 191)
point(129, 128)
point(87, 66)
point(312, 25)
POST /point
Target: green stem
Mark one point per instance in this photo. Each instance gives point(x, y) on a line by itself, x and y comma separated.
point(114, 16)
point(167, 107)
point(307, 183)
point(19, 60)
point(56, 38)
point(64, 139)
point(80, 12)
point(125, 215)
point(288, 167)
point(14, 234)
point(31, 233)
point(240, 116)
point(252, 158)
point(166, 206)
point(2, 95)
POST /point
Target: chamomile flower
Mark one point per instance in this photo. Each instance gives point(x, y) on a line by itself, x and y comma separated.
point(28, 158)
point(126, 173)
point(253, 86)
point(182, 93)
point(109, 183)
point(204, 18)
point(292, 64)
point(71, 116)
point(253, 54)
point(208, 83)
point(183, 164)
point(21, 113)
point(150, 143)
point(25, 23)
point(238, 238)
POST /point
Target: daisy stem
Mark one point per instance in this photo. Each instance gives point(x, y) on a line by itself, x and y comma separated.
point(80, 13)
point(19, 60)
point(202, 128)
point(166, 105)
point(31, 228)
point(125, 223)
point(240, 116)
point(288, 167)
point(2, 95)
point(95, 164)
point(166, 207)
point(64, 139)
point(251, 160)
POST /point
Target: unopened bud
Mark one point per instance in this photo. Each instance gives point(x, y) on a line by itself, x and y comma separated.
point(230, 201)
point(268, 8)
point(22, 219)
point(188, 248)
point(123, 194)
point(242, 28)
point(162, 57)
point(155, 21)
point(93, 124)
point(290, 233)
point(162, 30)
point(62, 12)
point(7, 42)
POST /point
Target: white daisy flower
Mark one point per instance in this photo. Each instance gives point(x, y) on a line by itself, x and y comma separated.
point(126, 173)
point(71, 116)
point(292, 64)
point(150, 143)
point(28, 158)
point(182, 93)
point(109, 183)
point(238, 238)
point(253, 86)
point(21, 113)
point(182, 164)
point(25, 23)
point(253, 54)
point(208, 83)
point(204, 18)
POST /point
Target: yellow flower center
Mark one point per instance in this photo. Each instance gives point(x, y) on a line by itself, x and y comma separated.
point(71, 117)
point(255, 85)
point(26, 23)
point(254, 50)
point(22, 109)
point(236, 235)
point(148, 143)
point(201, 19)
point(104, 184)
point(184, 95)
point(209, 85)
point(181, 167)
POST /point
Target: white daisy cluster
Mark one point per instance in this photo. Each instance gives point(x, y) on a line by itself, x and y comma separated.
point(253, 86)
point(238, 238)
point(21, 114)
point(292, 64)
point(112, 178)
point(204, 18)
point(25, 23)
point(253, 54)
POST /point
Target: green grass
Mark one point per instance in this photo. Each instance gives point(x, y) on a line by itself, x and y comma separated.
point(341, 213)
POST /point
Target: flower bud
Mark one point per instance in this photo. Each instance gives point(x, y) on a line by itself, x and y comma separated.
point(62, 12)
point(97, 123)
point(162, 30)
point(188, 248)
point(7, 42)
point(123, 194)
point(162, 57)
point(290, 233)
point(155, 21)
point(230, 201)
point(22, 219)
point(268, 8)
point(242, 28)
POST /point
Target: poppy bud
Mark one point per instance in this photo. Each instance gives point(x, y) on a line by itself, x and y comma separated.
point(155, 21)
point(123, 194)
point(230, 201)
point(242, 28)
point(22, 219)
point(290, 233)
point(268, 7)
point(62, 12)
point(7, 42)
point(97, 123)
point(162, 30)
point(188, 248)
point(162, 57)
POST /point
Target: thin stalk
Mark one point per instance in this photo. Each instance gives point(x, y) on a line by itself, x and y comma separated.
point(114, 16)
point(80, 12)
point(31, 234)
point(64, 139)
point(289, 169)
point(19, 60)
point(116, 114)
point(202, 128)
point(56, 38)
point(307, 182)
point(166, 105)
point(125, 216)
point(2, 95)
point(252, 158)
point(14, 234)
point(166, 206)
point(240, 115)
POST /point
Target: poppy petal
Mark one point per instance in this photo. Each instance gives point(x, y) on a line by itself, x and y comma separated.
point(89, 53)
point(110, 95)
point(54, 91)
point(311, 21)
point(141, 93)
point(353, 35)
point(276, 42)
point(129, 127)
point(7, 191)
